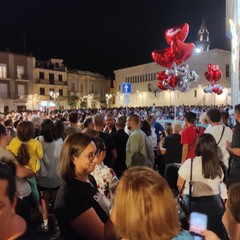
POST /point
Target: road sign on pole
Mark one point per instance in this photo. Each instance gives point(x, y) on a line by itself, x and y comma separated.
point(126, 87)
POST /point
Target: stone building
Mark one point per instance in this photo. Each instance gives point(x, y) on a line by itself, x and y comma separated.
point(89, 87)
point(144, 83)
point(16, 80)
point(50, 77)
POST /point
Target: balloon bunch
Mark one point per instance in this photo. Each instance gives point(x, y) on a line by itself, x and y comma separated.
point(213, 75)
point(179, 51)
point(175, 77)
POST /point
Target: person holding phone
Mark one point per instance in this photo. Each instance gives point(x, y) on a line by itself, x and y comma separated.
point(207, 175)
point(231, 217)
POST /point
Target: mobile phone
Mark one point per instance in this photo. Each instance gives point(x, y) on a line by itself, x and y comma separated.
point(198, 223)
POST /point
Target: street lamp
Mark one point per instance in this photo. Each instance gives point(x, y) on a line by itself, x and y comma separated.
point(108, 98)
point(54, 95)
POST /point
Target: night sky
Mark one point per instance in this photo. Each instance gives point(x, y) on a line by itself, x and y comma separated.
point(104, 35)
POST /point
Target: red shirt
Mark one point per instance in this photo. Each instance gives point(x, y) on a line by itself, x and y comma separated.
point(188, 136)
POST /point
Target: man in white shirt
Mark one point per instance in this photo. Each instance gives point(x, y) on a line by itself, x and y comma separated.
point(221, 133)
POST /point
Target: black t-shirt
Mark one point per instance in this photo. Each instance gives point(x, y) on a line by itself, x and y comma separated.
point(110, 145)
point(73, 198)
point(120, 138)
point(236, 139)
point(172, 144)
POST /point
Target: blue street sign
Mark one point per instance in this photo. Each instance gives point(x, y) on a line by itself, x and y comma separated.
point(126, 87)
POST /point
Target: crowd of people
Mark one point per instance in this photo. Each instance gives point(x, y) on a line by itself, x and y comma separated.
point(99, 174)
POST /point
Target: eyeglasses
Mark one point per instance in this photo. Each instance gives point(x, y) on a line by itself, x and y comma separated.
point(91, 156)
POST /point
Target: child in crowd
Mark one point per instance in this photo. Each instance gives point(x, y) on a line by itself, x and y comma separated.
point(105, 177)
point(28, 151)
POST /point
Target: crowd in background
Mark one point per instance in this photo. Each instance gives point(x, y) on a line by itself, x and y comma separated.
point(94, 157)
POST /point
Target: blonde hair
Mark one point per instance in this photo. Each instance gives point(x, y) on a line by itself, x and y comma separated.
point(204, 119)
point(145, 207)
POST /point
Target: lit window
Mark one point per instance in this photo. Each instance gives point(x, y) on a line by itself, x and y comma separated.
point(3, 70)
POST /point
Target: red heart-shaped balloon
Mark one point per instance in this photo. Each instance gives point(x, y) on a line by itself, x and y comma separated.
point(172, 81)
point(179, 32)
point(213, 67)
point(160, 84)
point(181, 51)
point(209, 76)
point(162, 76)
point(163, 57)
point(217, 75)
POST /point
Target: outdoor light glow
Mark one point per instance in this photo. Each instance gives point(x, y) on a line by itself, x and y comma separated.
point(198, 50)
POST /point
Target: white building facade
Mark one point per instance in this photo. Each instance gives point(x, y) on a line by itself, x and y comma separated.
point(142, 75)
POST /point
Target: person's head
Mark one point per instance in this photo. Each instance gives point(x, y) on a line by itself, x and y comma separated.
point(101, 149)
point(146, 128)
point(8, 122)
point(120, 122)
point(36, 120)
point(150, 119)
point(7, 175)
point(231, 217)
point(109, 120)
point(209, 151)
point(48, 131)
point(5, 136)
point(214, 115)
point(25, 132)
point(150, 212)
point(176, 127)
point(133, 122)
point(98, 121)
point(225, 117)
point(190, 118)
point(88, 123)
point(237, 112)
point(204, 119)
point(168, 129)
point(59, 125)
point(90, 132)
point(73, 117)
point(78, 156)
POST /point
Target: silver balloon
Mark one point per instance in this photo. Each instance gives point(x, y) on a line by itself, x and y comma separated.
point(193, 76)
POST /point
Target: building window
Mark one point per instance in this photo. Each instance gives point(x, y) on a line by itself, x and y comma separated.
point(20, 72)
point(42, 91)
point(195, 93)
point(81, 88)
point(227, 70)
point(201, 38)
point(51, 78)
point(92, 88)
point(60, 78)
point(20, 90)
point(72, 87)
point(3, 70)
point(60, 92)
point(41, 75)
point(4, 90)
point(101, 90)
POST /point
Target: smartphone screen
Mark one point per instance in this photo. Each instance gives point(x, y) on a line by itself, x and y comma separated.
point(198, 223)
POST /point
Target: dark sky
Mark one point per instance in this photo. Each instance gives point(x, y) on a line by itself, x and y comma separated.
point(104, 35)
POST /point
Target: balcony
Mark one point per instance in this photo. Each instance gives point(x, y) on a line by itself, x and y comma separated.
point(46, 82)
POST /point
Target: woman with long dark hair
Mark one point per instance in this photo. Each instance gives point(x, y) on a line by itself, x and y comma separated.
point(48, 180)
point(207, 175)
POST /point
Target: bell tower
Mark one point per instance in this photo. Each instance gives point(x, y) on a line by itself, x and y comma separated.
point(203, 42)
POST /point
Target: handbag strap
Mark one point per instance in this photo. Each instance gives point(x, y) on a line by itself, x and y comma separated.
point(221, 135)
point(196, 138)
point(190, 186)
